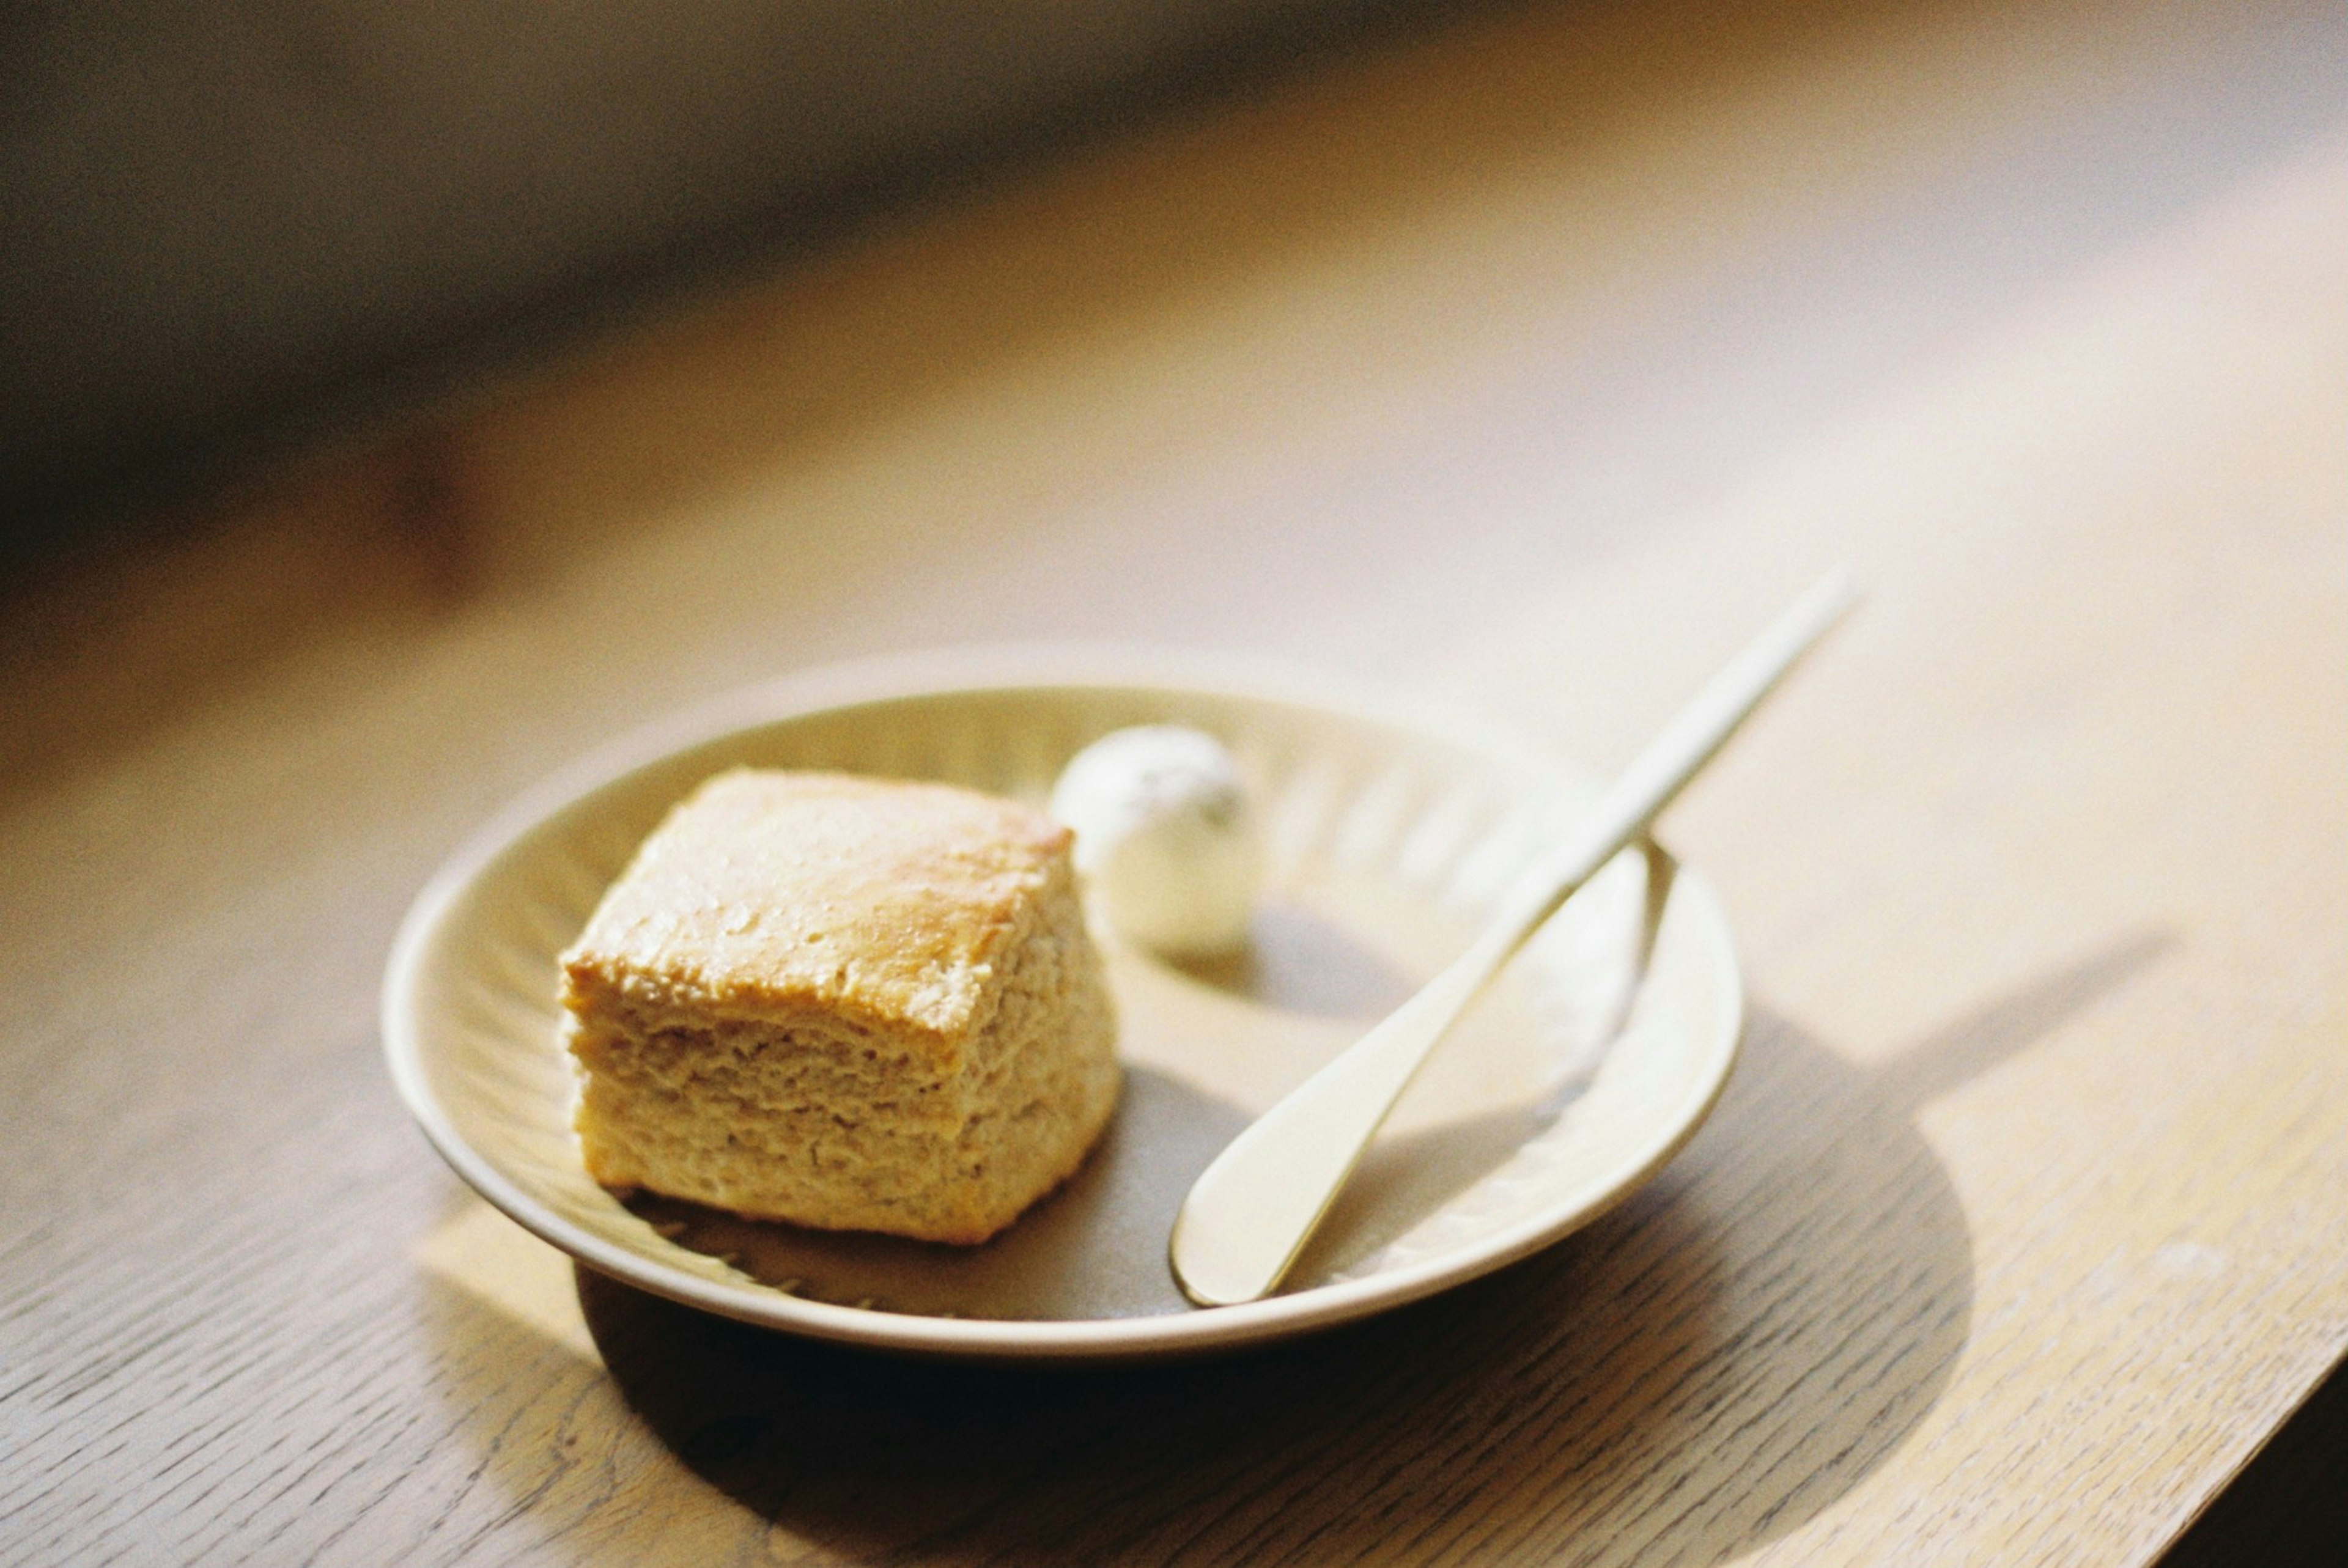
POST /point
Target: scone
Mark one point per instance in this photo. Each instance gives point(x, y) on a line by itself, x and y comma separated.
point(844, 1003)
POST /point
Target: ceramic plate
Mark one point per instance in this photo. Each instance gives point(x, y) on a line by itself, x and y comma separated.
point(1392, 830)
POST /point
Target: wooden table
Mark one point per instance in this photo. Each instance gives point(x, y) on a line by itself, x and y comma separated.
point(1532, 359)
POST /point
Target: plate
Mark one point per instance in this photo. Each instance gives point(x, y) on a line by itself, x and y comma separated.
point(1391, 830)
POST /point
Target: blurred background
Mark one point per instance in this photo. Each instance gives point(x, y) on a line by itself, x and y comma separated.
point(228, 227)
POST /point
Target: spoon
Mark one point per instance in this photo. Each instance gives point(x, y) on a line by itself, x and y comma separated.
point(1251, 1212)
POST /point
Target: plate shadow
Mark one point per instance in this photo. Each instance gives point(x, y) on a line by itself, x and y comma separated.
point(1699, 1371)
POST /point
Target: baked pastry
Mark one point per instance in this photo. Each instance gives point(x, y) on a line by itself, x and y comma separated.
point(848, 1003)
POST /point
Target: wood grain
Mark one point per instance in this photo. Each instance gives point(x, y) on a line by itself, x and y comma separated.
point(1531, 361)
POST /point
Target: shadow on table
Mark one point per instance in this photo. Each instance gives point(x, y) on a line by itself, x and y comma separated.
point(1699, 1371)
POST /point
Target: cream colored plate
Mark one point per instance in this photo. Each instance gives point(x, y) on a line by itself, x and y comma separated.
point(1391, 830)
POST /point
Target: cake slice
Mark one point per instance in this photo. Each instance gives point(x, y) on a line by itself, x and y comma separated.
point(848, 1003)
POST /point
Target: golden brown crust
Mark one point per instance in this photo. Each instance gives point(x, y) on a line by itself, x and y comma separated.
point(766, 893)
point(845, 1003)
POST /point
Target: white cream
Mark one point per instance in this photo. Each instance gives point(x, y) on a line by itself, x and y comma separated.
point(1165, 840)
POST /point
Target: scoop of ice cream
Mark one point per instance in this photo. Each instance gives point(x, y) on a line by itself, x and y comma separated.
point(1165, 841)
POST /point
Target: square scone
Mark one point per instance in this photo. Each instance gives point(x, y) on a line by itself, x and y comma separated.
point(848, 1003)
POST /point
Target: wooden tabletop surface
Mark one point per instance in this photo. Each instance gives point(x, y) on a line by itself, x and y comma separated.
point(1529, 359)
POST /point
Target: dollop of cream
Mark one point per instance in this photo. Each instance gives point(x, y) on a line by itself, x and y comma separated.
point(1165, 839)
